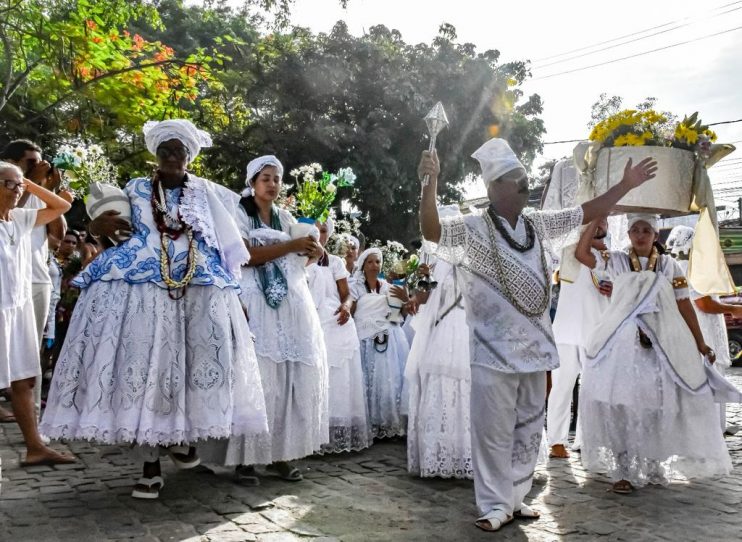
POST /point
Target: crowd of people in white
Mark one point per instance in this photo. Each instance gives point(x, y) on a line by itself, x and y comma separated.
point(207, 332)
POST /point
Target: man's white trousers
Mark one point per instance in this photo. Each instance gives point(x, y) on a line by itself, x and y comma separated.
point(507, 416)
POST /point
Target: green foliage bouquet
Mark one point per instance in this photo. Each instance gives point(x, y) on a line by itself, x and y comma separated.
point(315, 196)
point(84, 165)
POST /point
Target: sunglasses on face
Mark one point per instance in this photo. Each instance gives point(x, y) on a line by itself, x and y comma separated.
point(179, 153)
point(12, 184)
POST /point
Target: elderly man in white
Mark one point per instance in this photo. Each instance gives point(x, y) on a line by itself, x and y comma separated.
point(506, 284)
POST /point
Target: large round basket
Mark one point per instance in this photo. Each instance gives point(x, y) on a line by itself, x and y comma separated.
point(669, 193)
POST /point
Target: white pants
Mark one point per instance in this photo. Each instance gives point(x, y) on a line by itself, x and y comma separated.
point(507, 413)
point(41, 295)
point(563, 382)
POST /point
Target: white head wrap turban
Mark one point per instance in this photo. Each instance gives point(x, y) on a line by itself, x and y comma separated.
point(652, 220)
point(356, 243)
point(680, 240)
point(358, 272)
point(156, 133)
point(496, 158)
point(256, 166)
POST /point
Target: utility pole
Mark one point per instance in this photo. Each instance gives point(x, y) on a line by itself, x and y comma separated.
point(739, 208)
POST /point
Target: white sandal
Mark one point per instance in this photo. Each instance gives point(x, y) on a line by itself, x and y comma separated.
point(526, 512)
point(493, 521)
point(154, 485)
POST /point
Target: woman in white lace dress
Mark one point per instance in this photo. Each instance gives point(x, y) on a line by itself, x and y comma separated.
point(384, 347)
point(289, 341)
point(647, 399)
point(438, 377)
point(328, 282)
point(158, 352)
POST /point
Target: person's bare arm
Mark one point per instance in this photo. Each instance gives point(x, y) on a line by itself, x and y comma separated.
point(430, 225)
point(55, 205)
point(57, 228)
point(583, 252)
point(689, 315)
point(633, 177)
point(709, 305)
point(346, 302)
point(306, 245)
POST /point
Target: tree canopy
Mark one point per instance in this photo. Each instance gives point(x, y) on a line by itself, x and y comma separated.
point(99, 69)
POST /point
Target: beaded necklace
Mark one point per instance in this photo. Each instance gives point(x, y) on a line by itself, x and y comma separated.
point(636, 265)
point(171, 227)
point(515, 245)
point(503, 277)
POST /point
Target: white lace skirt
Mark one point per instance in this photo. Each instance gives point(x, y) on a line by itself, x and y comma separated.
point(438, 432)
point(638, 425)
point(349, 428)
point(140, 367)
point(296, 401)
point(383, 374)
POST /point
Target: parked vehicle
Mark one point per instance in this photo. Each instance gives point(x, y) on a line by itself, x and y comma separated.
point(734, 330)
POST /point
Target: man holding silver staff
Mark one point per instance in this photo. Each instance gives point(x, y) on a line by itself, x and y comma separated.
point(506, 283)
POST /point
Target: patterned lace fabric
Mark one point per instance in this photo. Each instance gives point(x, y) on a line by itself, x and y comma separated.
point(467, 242)
point(638, 425)
point(438, 440)
point(383, 375)
point(348, 435)
point(187, 372)
point(137, 260)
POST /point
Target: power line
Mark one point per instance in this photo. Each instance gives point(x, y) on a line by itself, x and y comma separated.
point(701, 38)
point(712, 124)
point(690, 22)
point(626, 35)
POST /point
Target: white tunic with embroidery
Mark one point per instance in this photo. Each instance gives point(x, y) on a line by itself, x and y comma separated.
point(501, 336)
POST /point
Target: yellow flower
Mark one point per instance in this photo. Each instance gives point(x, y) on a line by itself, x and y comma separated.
point(682, 132)
point(710, 134)
point(620, 141)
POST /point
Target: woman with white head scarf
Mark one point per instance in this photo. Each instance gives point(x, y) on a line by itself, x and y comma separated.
point(158, 352)
point(349, 247)
point(709, 309)
point(288, 337)
point(384, 347)
point(328, 282)
point(439, 378)
point(647, 399)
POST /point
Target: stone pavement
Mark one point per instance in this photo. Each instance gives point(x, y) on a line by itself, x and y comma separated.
point(349, 497)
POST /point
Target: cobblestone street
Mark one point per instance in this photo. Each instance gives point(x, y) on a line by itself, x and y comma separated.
point(353, 497)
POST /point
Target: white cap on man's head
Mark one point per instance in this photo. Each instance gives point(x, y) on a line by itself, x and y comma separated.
point(496, 158)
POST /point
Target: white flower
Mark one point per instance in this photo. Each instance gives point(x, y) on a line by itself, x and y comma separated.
point(316, 167)
point(294, 173)
point(331, 188)
point(347, 175)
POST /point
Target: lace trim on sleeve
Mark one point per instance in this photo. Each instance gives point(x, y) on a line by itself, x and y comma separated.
point(454, 238)
point(554, 224)
point(194, 210)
